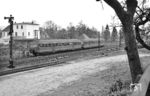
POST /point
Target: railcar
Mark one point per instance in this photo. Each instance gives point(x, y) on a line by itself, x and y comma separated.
point(58, 45)
point(54, 45)
point(90, 43)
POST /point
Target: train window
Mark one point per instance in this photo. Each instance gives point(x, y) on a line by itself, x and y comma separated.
point(59, 44)
point(55, 44)
point(49, 45)
point(52, 44)
point(63, 44)
point(45, 45)
point(42, 45)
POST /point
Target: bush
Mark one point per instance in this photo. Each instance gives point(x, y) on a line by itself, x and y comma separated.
point(120, 88)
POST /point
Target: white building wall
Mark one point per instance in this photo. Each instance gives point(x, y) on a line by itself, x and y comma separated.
point(19, 31)
point(28, 30)
point(31, 29)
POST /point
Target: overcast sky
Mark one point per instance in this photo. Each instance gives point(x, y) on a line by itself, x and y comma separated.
point(60, 11)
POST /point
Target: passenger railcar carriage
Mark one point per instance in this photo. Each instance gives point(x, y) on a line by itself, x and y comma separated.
point(89, 43)
point(54, 45)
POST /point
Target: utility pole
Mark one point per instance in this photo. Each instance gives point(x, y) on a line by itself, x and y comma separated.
point(98, 41)
point(10, 21)
point(120, 37)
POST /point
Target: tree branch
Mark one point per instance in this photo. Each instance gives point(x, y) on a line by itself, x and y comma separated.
point(117, 7)
point(131, 6)
point(139, 39)
point(142, 22)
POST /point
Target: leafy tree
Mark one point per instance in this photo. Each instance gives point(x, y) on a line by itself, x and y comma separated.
point(114, 34)
point(126, 15)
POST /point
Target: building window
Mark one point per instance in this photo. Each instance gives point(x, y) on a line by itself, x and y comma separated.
point(5, 34)
point(21, 26)
point(36, 33)
point(15, 33)
point(22, 33)
point(28, 33)
point(17, 27)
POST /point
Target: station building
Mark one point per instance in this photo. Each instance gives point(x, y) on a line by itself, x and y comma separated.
point(24, 30)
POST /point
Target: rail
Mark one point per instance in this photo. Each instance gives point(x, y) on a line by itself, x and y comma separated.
point(53, 60)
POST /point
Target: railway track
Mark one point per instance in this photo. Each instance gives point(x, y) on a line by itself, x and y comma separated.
point(54, 59)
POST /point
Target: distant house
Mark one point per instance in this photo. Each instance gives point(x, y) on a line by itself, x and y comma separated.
point(24, 30)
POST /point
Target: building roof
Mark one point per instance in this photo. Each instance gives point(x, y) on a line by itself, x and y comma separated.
point(26, 23)
point(23, 23)
point(7, 28)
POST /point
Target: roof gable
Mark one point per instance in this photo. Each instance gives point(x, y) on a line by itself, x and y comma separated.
point(6, 28)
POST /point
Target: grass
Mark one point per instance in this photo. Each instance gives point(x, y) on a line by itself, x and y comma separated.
point(114, 81)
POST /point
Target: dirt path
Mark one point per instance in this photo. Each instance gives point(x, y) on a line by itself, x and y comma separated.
point(44, 81)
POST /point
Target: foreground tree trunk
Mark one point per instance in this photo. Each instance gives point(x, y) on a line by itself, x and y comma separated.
point(126, 18)
point(131, 49)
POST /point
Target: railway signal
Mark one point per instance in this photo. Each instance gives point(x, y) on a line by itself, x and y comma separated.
point(10, 21)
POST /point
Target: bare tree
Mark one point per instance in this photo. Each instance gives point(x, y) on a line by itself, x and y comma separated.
point(72, 31)
point(126, 16)
point(106, 33)
point(114, 35)
point(51, 28)
point(121, 36)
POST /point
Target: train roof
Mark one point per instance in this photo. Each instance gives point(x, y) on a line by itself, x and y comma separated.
point(58, 40)
point(94, 39)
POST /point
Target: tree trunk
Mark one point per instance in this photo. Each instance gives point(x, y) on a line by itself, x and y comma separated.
point(131, 48)
point(126, 17)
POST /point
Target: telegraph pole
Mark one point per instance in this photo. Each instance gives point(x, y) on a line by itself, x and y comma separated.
point(119, 39)
point(98, 41)
point(10, 21)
